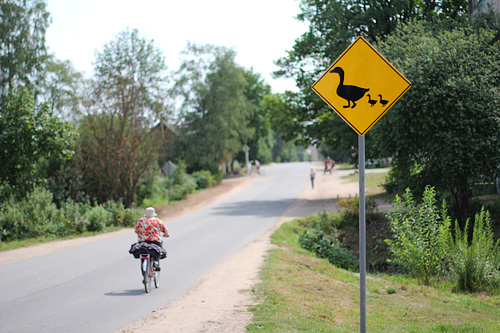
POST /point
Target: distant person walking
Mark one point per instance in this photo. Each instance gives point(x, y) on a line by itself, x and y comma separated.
point(327, 166)
point(249, 167)
point(257, 166)
point(312, 175)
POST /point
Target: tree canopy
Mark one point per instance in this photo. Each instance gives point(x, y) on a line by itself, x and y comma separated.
point(28, 133)
point(216, 109)
point(22, 43)
point(333, 26)
point(446, 129)
point(129, 93)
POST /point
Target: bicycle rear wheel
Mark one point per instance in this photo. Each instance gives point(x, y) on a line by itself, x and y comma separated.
point(146, 273)
point(157, 279)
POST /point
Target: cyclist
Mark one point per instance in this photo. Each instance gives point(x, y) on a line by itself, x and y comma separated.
point(149, 229)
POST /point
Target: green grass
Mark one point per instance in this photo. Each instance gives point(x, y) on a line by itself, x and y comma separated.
point(344, 166)
point(373, 181)
point(300, 292)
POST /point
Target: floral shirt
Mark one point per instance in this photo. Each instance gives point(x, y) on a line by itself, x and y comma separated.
point(148, 229)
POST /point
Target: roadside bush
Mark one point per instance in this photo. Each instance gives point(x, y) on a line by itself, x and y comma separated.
point(12, 221)
point(476, 264)
point(219, 176)
point(147, 186)
point(328, 246)
point(32, 217)
point(425, 244)
point(73, 215)
point(120, 216)
point(182, 191)
point(204, 179)
point(418, 236)
point(182, 184)
point(351, 207)
point(97, 218)
point(37, 216)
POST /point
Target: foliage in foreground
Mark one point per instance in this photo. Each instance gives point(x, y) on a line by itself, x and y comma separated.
point(425, 245)
point(155, 191)
point(418, 235)
point(327, 245)
point(38, 217)
point(450, 76)
point(476, 264)
point(300, 292)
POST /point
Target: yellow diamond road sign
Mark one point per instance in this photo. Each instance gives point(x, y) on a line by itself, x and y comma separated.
point(361, 86)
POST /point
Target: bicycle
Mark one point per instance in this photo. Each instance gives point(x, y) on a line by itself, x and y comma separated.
point(148, 272)
point(147, 252)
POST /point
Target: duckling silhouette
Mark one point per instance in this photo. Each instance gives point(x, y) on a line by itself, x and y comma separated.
point(371, 101)
point(349, 93)
point(383, 101)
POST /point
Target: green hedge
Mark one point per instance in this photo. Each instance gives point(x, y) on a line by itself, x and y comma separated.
point(37, 216)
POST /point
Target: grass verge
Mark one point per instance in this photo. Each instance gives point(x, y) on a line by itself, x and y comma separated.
point(300, 292)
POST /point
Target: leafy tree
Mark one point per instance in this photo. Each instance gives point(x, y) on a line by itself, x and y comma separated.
point(22, 43)
point(130, 78)
point(62, 88)
point(446, 129)
point(333, 26)
point(216, 110)
point(260, 142)
point(28, 133)
point(118, 142)
point(114, 158)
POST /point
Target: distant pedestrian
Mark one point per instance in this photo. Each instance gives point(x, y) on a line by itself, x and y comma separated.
point(249, 167)
point(257, 166)
point(312, 175)
point(327, 166)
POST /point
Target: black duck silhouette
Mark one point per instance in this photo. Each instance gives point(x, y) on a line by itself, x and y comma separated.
point(383, 101)
point(371, 101)
point(349, 93)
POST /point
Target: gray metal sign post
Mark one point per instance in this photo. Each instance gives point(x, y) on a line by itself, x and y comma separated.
point(169, 169)
point(382, 79)
point(362, 234)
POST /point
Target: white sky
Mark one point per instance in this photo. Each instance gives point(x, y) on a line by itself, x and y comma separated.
point(260, 31)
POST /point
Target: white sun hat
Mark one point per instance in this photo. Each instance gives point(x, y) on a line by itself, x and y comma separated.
point(150, 212)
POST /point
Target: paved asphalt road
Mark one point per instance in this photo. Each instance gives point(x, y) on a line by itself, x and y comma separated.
point(96, 287)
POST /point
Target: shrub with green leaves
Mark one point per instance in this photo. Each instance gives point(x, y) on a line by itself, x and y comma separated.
point(204, 179)
point(97, 217)
point(328, 246)
point(181, 183)
point(351, 207)
point(476, 264)
point(417, 242)
point(32, 217)
point(37, 216)
point(121, 216)
point(73, 215)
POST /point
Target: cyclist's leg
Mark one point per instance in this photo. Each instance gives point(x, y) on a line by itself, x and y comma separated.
point(156, 255)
